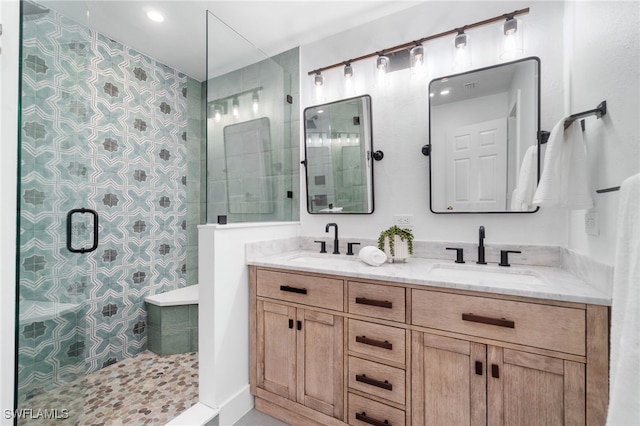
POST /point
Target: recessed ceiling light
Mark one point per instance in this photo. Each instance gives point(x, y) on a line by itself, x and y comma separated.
point(155, 16)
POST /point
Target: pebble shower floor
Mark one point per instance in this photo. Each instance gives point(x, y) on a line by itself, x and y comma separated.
point(147, 389)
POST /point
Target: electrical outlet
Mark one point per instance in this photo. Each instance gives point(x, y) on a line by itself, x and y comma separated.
point(591, 223)
point(403, 220)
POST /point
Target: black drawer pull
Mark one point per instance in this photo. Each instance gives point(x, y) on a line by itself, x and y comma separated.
point(290, 323)
point(375, 422)
point(479, 368)
point(372, 302)
point(372, 342)
point(293, 289)
point(501, 322)
point(373, 382)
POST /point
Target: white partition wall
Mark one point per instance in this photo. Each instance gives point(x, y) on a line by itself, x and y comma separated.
point(224, 312)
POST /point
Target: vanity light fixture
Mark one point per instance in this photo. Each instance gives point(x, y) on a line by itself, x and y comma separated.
point(318, 80)
point(461, 43)
point(513, 41)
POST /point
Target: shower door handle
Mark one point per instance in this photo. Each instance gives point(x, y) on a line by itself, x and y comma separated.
point(69, 230)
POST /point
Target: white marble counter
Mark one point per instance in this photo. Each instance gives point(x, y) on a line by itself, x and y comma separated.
point(518, 280)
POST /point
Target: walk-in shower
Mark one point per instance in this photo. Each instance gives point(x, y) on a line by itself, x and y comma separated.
point(115, 174)
point(104, 138)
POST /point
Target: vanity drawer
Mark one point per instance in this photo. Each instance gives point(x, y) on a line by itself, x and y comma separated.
point(377, 379)
point(531, 324)
point(307, 290)
point(377, 340)
point(379, 301)
point(363, 411)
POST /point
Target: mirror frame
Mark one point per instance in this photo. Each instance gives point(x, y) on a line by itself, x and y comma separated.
point(430, 154)
point(369, 154)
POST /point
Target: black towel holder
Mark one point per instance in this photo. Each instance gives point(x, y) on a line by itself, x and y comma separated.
point(600, 111)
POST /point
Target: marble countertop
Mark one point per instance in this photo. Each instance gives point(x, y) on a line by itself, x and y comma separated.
point(518, 280)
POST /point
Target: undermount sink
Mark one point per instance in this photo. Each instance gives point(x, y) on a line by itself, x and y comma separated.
point(483, 275)
point(319, 259)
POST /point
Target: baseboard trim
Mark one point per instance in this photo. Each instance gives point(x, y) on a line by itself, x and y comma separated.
point(235, 407)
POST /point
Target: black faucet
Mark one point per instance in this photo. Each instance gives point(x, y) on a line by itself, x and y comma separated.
point(481, 246)
point(336, 243)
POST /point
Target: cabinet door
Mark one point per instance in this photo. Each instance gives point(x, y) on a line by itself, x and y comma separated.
point(449, 381)
point(276, 349)
point(321, 362)
point(530, 389)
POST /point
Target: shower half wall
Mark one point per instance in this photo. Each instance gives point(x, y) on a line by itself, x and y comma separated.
point(102, 127)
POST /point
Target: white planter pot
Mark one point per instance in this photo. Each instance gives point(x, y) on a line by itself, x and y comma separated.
point(400, 249)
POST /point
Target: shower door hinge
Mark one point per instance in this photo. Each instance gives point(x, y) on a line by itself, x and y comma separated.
point(289, 99)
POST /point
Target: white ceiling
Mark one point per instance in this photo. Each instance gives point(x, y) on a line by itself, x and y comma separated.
point(180, 41)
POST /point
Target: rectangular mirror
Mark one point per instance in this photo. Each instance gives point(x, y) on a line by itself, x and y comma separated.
point(338, 147)
point(483, 131)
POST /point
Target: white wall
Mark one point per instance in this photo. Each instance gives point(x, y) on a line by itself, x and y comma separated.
point(604, 65)
point(400, 116)
point(9, 18)
point(224, 313)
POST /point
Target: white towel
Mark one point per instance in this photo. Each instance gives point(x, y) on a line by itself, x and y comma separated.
point(372, 256)
point(624, 371)
point(522, 196)
point(565, 181)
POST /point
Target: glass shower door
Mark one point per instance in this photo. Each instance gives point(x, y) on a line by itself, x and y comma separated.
point(56, 233)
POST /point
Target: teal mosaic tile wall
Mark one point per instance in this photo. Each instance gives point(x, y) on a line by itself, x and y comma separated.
point(173, 329)
point(103, 127)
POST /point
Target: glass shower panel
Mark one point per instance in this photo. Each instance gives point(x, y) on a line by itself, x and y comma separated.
point(54, 171)
point(252, 163)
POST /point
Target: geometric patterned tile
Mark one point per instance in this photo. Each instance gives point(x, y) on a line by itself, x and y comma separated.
point(102, 128)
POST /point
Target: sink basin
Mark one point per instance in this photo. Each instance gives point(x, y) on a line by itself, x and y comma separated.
point(320, 259)
point(484, 275)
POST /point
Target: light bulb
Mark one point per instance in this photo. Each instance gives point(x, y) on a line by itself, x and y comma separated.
point(235, 107)
point(318, 80)
point(348, 71)
point(255, 102)
point(512, 43)
point(461, 52)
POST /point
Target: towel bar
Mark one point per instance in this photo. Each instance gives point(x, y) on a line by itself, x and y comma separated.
point(599, 111)
point(613, 188)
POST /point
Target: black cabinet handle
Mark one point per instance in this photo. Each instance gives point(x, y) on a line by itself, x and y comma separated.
point(290, 323)
point(495, 371)
point(372, 342)
point(373, 382)
point(479, 368)
point(501, 322)
point(372, 302)
point(293, 289)
point(70, 226)
point(299, 325)
point(370, 420)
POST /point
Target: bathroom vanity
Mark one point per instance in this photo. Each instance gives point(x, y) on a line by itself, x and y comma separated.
point(335, 341)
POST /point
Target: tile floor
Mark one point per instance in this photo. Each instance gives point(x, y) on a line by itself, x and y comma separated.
point(145, 390)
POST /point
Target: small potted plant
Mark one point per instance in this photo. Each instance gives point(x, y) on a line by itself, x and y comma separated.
point(397, 243)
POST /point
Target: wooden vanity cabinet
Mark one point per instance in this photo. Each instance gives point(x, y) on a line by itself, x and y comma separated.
point(506, 362)
point(328, 350)
point(301, 355)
